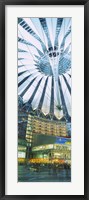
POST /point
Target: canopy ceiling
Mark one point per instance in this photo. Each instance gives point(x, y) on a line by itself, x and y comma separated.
point(44, 64)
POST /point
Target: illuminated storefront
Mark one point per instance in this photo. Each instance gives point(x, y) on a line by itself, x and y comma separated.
point(52, 153)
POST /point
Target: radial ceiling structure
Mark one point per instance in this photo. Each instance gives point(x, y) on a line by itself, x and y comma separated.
point(44, 65)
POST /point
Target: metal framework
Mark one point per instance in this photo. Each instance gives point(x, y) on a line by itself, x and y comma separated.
point(44, 65)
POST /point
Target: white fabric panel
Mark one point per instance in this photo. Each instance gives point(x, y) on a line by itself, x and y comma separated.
point(67, 41)
point(30, 66)
point(21, 69)
point(67, 95)
point(20, 62)
point(62, 32)
point(47, 97)
point(25, 55)
point(69, 71)
point(54, 24)
point(68, 79)
point(69, 49)
point(30, 91)
point(28, 48)
point(27, 36)
point(50, 29)
point(67, 22)
point(23, 46)
point(30, 70)
point(31, 25)
point(24, 85)
point(45, 38)
point(31, 51)
point(27, 61)
point(39, 29)
point(38, 95)
point(20, 78)
point(57, 113)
